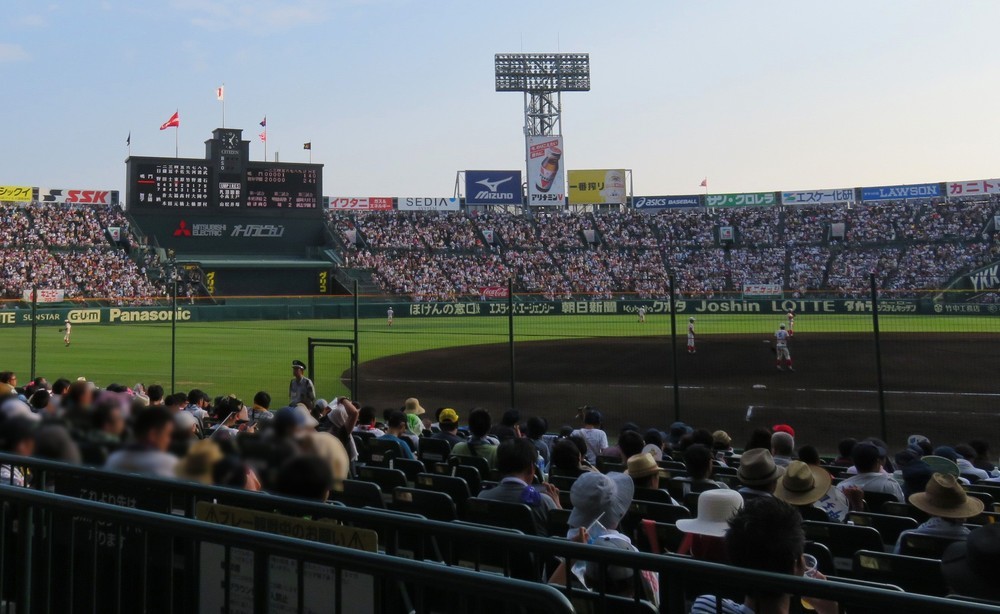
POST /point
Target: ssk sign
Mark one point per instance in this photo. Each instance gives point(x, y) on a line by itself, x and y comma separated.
point(428, 204)
point(493, 187)
point(93, 197)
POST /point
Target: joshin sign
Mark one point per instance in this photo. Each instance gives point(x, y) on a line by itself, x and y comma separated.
point(546, 185)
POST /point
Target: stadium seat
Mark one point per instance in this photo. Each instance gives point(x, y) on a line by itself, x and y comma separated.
point(480, 463)
point(381, 451)
point(433, 450)
point(467, 472)
point(592, 602)
point(387, 479)
point(427, 503)
point(809, 512)
point(410, 467)
point(988, 487)
point(912, 574)
point(843, 540)
point(456, 488)
point(875, 500)
point(887, 525)
point(607, 459)
point(896, 508)
point(984, 518)
point(925, 546)
point(355, 493)
point(657, 512)
point(557, 522)
point(515, 516)
point(653, 495)
point(672, 466)
point(985, 497)
point(562, 482)
point(824, 558)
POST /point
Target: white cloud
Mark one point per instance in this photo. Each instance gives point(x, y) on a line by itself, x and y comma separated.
point(258, 16)
point(12, 52)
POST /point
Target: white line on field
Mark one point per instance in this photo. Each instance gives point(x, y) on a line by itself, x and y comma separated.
point(852, 410)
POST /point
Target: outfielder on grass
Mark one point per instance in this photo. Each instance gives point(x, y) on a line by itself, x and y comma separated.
point(781, 349)
point(68, 328)
point(691, 349)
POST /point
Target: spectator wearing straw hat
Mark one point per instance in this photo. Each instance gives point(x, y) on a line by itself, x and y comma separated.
point(704, 536)
point(806, 485)
point(645, 472)
point(758, 474)
point(945, 501)
point(970, 566)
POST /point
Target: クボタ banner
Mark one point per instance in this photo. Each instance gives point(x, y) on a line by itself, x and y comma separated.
point(428, 204)
point(901, 192)
point(493, 187)
point(818, 197)
point(94, 197)
point(16, 193)
point(748, 199)
point(957, 189)
point(546, 184)
point(45, 295)
point(363, 203)
point(597, 187)
point(666, 202)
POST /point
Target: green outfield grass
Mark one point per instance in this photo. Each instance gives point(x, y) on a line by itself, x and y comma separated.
point(243, 357)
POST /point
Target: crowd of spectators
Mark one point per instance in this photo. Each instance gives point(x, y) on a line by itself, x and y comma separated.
point(740, 507)
point(57, 246)
point(910, 246)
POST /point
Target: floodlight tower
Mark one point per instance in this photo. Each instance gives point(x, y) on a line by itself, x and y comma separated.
point(542, 78)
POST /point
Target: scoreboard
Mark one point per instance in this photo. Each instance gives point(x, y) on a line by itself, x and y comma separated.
point(225, 182)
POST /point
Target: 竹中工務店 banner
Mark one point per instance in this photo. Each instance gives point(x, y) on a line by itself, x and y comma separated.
point(16, 193)
point(362, 203)
point(818, 197)
point(901, 192)
point(546, 182)
point(748, 199)
point(597, 187)
point(955, 189)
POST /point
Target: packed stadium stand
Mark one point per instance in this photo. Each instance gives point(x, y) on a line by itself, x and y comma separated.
point(911, 248)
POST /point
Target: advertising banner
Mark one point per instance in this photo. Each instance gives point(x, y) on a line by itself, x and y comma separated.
point(493, 292)
point(749, 199)
point(901, 192)
point(45, 295)
point(91, 197)
point(597, 187)
point(761, 290)
point(957, 189)
point(15, 193)
point(359, 203)
point(493, 187)
point(666, 202)
point(546, 184)
point(986, 278)
point(818, 197)
point(226, 235)
point(428, 204)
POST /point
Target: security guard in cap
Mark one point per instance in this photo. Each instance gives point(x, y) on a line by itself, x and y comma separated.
point(301, 388)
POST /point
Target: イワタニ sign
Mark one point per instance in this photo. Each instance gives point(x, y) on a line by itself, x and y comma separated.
point(546, 183)
point(359, 203)
point(597, 187)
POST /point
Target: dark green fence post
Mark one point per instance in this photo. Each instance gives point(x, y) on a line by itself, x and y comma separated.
point(673, 348)
point(510, 339)
point(34, 328)
point(173, 326)
point(356, 353)
point(878, 360)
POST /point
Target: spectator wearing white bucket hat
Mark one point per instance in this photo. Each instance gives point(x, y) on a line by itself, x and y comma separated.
point(704, 535)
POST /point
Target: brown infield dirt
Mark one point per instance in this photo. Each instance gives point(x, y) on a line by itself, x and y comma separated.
point(944, 386)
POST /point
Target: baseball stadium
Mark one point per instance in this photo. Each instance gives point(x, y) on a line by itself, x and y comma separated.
point(565, 382)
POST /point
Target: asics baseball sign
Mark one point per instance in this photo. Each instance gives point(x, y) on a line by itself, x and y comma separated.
point(493, 187)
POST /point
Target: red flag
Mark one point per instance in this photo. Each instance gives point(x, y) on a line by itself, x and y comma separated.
point(173, 122)
point(704, 182)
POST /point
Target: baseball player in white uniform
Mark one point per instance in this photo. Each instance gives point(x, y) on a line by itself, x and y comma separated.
point(691, 349)
point(642, 314)
point(388, 316)
point(781, 349)
point(68, 329)
point(791, 323)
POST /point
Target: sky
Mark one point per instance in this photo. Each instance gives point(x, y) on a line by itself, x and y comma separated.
point(396, 96)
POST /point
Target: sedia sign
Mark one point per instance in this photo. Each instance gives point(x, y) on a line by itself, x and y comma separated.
point(84, 316)
point(147, 315)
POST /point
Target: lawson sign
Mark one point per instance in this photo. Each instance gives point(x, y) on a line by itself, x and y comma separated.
point(902, 192)
point(651, 203)
point(493, 187)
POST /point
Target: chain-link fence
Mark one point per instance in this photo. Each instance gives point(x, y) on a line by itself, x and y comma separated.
point(711, 361)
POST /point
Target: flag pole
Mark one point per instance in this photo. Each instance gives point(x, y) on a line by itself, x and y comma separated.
point(265, 137)
point(177, 129)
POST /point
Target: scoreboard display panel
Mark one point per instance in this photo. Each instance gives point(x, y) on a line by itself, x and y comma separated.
point(225, 182)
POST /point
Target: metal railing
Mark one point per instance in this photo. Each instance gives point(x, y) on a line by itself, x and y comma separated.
point(441, 545)
point(64, 554)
